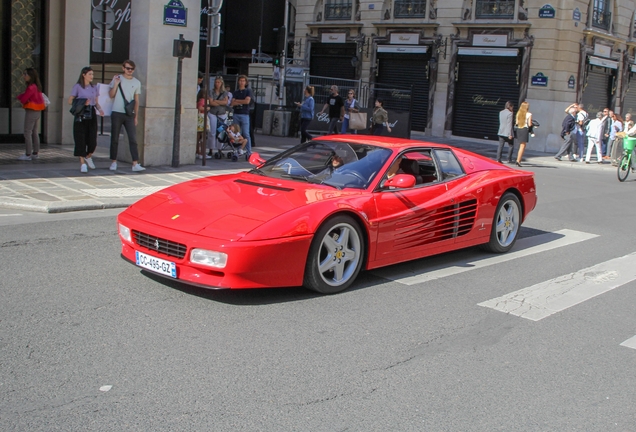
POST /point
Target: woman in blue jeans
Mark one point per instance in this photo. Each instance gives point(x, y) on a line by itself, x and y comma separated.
point(306, 113)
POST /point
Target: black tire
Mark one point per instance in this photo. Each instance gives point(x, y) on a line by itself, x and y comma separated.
point(623, 168)
point(335, 256)
point(505, 225)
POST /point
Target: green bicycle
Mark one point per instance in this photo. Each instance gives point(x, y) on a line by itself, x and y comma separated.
point(625, 165)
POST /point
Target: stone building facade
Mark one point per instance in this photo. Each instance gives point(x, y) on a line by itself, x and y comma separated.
point(466, 58)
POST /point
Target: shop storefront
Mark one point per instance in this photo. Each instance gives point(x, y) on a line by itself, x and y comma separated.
point(22, 44)
point(407, 67)
point(332, 57)
point(629, 99)
point(600, 84)
point(485, 78)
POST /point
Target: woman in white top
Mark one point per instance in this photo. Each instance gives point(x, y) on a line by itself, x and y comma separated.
point(350, 105)
point(523, 121)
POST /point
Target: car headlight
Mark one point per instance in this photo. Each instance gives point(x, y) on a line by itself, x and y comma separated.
point(208, 258)
point(124, 232)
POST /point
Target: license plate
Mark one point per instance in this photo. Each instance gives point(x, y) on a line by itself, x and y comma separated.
point(156, 265)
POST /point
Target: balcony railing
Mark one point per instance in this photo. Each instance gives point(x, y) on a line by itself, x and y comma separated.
point(601, 18)
point(410, 9)
point(338, 10)
point(497, 9)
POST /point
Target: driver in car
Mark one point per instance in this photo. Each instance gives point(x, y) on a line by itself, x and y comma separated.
point(334, 163)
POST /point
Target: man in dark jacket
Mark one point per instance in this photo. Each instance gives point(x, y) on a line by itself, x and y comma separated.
point(606, 128)
point(567, 133)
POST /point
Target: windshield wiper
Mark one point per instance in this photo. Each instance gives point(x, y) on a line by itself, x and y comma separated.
point(256, 171)
point(308, 179)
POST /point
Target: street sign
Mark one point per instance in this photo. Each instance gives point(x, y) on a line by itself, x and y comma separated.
point(174, 13)
point(539, 80)
point(103, 15)
point(107, 41)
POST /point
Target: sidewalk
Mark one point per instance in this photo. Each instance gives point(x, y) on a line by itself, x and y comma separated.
point(53, 182)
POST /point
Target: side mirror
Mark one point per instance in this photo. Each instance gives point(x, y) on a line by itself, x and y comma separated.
point(256, 159)
point(401, 181)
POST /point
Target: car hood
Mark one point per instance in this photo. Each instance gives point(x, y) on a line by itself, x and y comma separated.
point(228, 207)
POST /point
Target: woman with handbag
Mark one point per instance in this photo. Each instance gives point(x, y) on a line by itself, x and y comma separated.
point(380, 119)
point(85, 124)
point(218, 111)
point(33, 103)
point(350, 106)
point(522, 124)
point(306, 113)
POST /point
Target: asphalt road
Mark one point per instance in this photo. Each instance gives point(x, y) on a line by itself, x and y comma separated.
point(88, 342)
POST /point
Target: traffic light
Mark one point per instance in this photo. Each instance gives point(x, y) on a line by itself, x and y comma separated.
point(276, 61)
point(277, 89)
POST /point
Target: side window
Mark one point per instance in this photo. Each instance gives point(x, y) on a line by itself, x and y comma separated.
point(448, 164)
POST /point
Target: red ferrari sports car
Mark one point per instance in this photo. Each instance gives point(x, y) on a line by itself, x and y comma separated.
point(317, 214)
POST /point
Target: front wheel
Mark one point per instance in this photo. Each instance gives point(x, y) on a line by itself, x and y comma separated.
point(335, 256)
point(505, 224)
point(623, 168)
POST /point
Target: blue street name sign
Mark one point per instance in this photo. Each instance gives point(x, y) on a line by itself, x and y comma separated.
point(547, 11)
point(540, 80)
point(174, 13)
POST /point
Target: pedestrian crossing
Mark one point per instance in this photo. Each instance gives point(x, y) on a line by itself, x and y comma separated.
point(540, 300)
point(408, 274)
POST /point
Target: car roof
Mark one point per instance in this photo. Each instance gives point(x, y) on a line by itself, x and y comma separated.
point(381, 141)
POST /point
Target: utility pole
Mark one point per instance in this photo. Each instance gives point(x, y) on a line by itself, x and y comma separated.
point(214, 39)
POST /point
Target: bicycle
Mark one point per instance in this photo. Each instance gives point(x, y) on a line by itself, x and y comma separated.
point(625, 165)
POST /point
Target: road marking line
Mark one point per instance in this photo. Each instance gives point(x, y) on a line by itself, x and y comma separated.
point(555, 295)
point(14, 214)
point(630, 343)
point(524, 247)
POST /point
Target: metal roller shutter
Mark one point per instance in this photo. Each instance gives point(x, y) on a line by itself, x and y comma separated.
point(597, 92)
point(629, 102)
point(404, 71)
point(483, 86)
point(333, 60)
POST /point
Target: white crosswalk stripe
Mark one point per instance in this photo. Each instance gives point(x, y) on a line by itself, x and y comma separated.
point(408, 275)
point(555, 295)
point(630, 343)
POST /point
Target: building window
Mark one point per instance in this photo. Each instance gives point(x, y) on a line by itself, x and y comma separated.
point(338, 10)
point(410, 9)
point(601, 15)
point(498, 9)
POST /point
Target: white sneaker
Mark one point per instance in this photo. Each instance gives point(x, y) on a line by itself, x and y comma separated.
point(83, 168)
point(207, 156)
point(34, 156)
point(240, 152)
point(138, 168)
point(199, 156)
point(24, 158)
point(113, 166)
point(89, 162)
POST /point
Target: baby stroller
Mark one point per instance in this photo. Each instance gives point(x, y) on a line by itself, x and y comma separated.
point(227, 146)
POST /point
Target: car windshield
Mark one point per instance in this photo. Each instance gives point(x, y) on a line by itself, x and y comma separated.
point(336, 164)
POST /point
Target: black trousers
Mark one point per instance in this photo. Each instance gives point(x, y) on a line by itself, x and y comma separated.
point(304, 135)
point(85, 135)
point(511, 146)
point(118, 119)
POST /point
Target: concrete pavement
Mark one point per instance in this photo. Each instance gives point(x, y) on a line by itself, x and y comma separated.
point(53, 183)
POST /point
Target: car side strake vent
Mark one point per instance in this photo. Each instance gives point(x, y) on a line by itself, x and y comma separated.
point(436, 225)
point(160, 245)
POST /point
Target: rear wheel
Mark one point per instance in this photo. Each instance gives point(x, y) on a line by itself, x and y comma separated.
point(335, 256)
point(623, 168)
point(505, 224)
